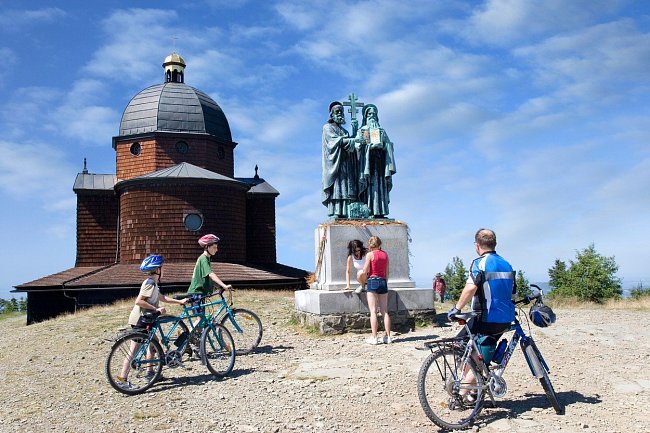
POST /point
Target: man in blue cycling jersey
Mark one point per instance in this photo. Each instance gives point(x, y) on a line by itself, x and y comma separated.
point(490, 287)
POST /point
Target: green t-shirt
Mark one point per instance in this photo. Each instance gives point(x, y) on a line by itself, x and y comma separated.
point(201, 283)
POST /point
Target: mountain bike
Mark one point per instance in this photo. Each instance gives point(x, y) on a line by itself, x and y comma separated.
point(244, 325)
point(454, 382)
point(137, 357)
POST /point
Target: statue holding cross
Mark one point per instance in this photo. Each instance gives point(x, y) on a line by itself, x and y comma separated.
point(357, 166)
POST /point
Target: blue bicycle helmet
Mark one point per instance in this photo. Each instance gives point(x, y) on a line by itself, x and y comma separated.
point(541, 315)
point(151, 263)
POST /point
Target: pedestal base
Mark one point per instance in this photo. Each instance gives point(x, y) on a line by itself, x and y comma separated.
point(335, 312)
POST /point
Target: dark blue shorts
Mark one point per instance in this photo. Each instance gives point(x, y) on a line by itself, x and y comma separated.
point(377, 285)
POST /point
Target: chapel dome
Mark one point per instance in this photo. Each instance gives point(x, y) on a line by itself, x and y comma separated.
point(174, 107)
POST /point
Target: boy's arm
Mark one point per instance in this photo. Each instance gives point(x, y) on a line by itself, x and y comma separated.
point(217, 280)
point(169, 300)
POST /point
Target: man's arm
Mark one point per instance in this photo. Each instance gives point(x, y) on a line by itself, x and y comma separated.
point(467, 294)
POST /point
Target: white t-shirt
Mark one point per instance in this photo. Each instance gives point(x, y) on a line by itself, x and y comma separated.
point(150, 292)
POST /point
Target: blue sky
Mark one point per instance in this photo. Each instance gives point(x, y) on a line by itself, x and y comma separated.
point(531, 118)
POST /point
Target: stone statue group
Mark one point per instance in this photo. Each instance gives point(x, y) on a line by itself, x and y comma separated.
point(357, 166)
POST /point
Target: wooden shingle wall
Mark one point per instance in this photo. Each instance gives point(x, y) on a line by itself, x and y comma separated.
point(96, 228)
point(260, 228)
point(160, 151)
point(152, 221)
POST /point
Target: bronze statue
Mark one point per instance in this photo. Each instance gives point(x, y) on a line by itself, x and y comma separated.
point(340, 165)
point(358, 166)
point(376, 163)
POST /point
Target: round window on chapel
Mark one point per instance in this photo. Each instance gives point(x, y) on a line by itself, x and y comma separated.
point(182, 147)
point(135, 149)
point(193, 221)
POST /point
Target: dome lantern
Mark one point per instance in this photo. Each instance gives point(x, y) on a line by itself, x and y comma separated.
point(174, 66)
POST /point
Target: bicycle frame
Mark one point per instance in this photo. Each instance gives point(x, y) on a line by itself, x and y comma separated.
point(136, 358)
point(525, 341)
point(206, 318)
point(519, 337)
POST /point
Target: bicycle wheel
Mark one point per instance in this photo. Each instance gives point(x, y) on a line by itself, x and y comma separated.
point(532, 353)
point(446, 400)
point(218, 350)
point(133, 365)
point(166, 322)
point(250, 335)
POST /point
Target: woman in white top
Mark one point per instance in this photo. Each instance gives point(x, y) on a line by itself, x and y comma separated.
point(356, 260)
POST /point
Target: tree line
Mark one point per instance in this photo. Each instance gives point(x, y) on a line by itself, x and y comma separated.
point(590, 277)
point(13, 305)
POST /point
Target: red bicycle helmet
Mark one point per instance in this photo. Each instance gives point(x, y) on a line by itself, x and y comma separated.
point(208, 239)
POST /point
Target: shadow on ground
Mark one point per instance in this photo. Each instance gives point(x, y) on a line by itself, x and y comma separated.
point(514, 408)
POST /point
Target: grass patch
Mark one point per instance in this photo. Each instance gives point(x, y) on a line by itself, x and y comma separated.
point(12, 315)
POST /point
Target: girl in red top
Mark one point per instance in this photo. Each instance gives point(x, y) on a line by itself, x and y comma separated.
point(376, 270)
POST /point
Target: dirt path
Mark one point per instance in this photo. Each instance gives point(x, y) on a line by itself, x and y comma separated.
point(52, 380)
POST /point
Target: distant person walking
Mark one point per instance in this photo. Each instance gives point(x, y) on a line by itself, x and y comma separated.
point(376, 271)
point(439, 288)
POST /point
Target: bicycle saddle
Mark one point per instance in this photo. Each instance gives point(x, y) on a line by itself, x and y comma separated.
point(463, 316)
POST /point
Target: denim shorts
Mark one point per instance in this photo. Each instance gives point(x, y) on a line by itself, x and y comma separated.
point(377, 285)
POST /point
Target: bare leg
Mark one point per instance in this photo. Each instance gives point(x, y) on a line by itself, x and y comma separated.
point(383, 307)
point(372, 306)
point(126, 364)
point(362, 278)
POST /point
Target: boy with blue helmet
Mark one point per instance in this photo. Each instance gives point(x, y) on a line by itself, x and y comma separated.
point(148, 299)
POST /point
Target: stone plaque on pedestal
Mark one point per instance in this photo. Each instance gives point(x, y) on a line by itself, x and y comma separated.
point(331, 246)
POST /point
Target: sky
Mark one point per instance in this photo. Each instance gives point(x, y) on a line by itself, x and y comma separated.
point(530, 118)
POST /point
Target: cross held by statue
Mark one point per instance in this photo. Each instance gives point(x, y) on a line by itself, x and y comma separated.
point(354, 105)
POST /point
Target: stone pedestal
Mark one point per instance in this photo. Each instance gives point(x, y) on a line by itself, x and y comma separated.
point(331, 246)
point(333, 310)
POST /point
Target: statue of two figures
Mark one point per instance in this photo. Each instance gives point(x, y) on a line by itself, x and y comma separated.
point(357, 166)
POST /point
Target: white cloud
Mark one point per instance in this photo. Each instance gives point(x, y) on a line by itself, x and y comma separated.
point(507, 22)
point(27, 111)
point(611, 57)
point(35, 170)
point(139, 39)
point(17, 19)
point(80, 117)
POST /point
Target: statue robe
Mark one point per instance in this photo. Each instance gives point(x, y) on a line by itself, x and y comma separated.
point(376, 170)
point(340, 171)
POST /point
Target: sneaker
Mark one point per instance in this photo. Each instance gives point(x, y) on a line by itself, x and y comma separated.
point(151, 375)
point(123, 383)
point(387, 339)
point(372, 340)
point(469, 399)
point(358, 289)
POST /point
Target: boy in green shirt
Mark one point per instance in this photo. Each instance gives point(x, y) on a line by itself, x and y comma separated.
point(204, 278)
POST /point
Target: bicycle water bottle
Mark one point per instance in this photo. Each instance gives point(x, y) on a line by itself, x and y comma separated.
point(499, 351)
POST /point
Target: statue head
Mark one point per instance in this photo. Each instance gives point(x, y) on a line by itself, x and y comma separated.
point(370, 111)
point(337, 114)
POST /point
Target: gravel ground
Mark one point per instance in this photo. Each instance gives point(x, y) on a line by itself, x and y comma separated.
point(52, 379)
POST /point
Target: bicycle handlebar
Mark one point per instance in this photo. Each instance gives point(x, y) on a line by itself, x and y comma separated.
point(528, 299)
